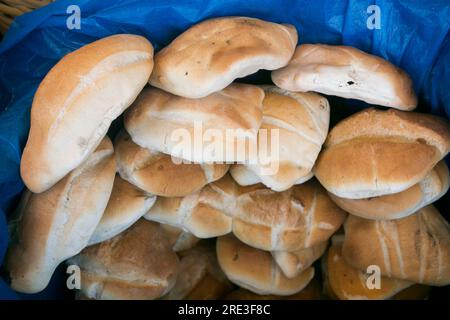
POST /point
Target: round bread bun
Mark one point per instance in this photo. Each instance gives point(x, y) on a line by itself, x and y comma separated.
point(208, 56)
point(295, 219)
point(292, 263)
point(348, 283)
point(199, 275)
point(218, 128)
point(294, 126)
point(137, 264)
point(157, 173)
point(349, 73)
point(399, 205)
point(415, 248)
point(255, 269)
point(76, 103)
point(374, 153)
point(125, 206)
point(56, 224)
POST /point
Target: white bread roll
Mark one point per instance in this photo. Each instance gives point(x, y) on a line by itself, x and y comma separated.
point(415, 248)
point(179, 239)
point(190, 128)
point(58, 223)
point(210, 55)
point(156, 173)
point(255, 269)
point(374, 153)
point(297, 218)
point(349, 73)
point(125, 206)
point(347, 283)
point(292, 263)
point(199, 275)
point(76, 103)
point(137, 264)
point(399, 205)
point(300, 121)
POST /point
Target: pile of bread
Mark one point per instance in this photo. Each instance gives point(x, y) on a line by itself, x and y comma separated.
point(134, 220)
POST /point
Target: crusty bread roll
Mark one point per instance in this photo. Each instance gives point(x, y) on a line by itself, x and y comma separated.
point(347, 72)
point(179, 239)
point(415, 248)
point(291, 220)
point(199, 275)
point(125, 206)
point(156, 173)
point(292, 263)
point(399, 205)
point(310, 292)
point(300, 121)
point(210, 55)
point(374, 153)
point(76, 103)
point(136, 264)
point(58, 223)
point(255, 269)
point(198, 130)
point(348, 283)
point(202, 213)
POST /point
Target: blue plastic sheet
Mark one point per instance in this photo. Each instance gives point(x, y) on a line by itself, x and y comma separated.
point(413, 35)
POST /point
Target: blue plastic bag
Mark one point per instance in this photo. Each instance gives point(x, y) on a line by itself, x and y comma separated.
point(413, 35)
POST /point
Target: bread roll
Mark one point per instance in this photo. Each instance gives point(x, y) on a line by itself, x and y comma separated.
point(255, 270)
point(76, 103)
point(179, 239)
point(374, 153)
point(292, 263)
point(415, 248)
point(156, 173)
point(415, 292)
point(310, 292)
point(349, 73)
point(58, 223)
point(294, 125)
point(220, 127)
point(348, 283)
point(206, 213)
point(210, 55)
point(298, 218)
point(399, 205)
point(199, 275)
point(125, 206)
point(136, 264)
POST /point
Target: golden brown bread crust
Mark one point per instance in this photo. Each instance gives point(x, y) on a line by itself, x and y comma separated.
point(415, 248)
point(210, 55)
point(294, 219)
point(255, 269)
point(402, 204)
point(137, 264)
point(125, 206)
point(58, 223)
point(171, 124)
point(300, 121)
point(293, 263)
point(199, 275)
point(156, 173)
point(347, 72)
point(374, 152)
point(348, 283)
point(65, 127)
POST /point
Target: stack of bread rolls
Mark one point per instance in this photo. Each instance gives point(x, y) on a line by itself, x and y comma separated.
point(145, 219)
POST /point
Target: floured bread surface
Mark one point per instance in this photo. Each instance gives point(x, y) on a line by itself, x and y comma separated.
point(210, 55)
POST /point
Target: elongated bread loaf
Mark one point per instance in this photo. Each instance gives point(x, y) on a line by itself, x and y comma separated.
point(347, 72)
point(58, 223)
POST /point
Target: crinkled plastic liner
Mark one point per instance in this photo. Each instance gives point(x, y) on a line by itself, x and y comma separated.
point(413, 35)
